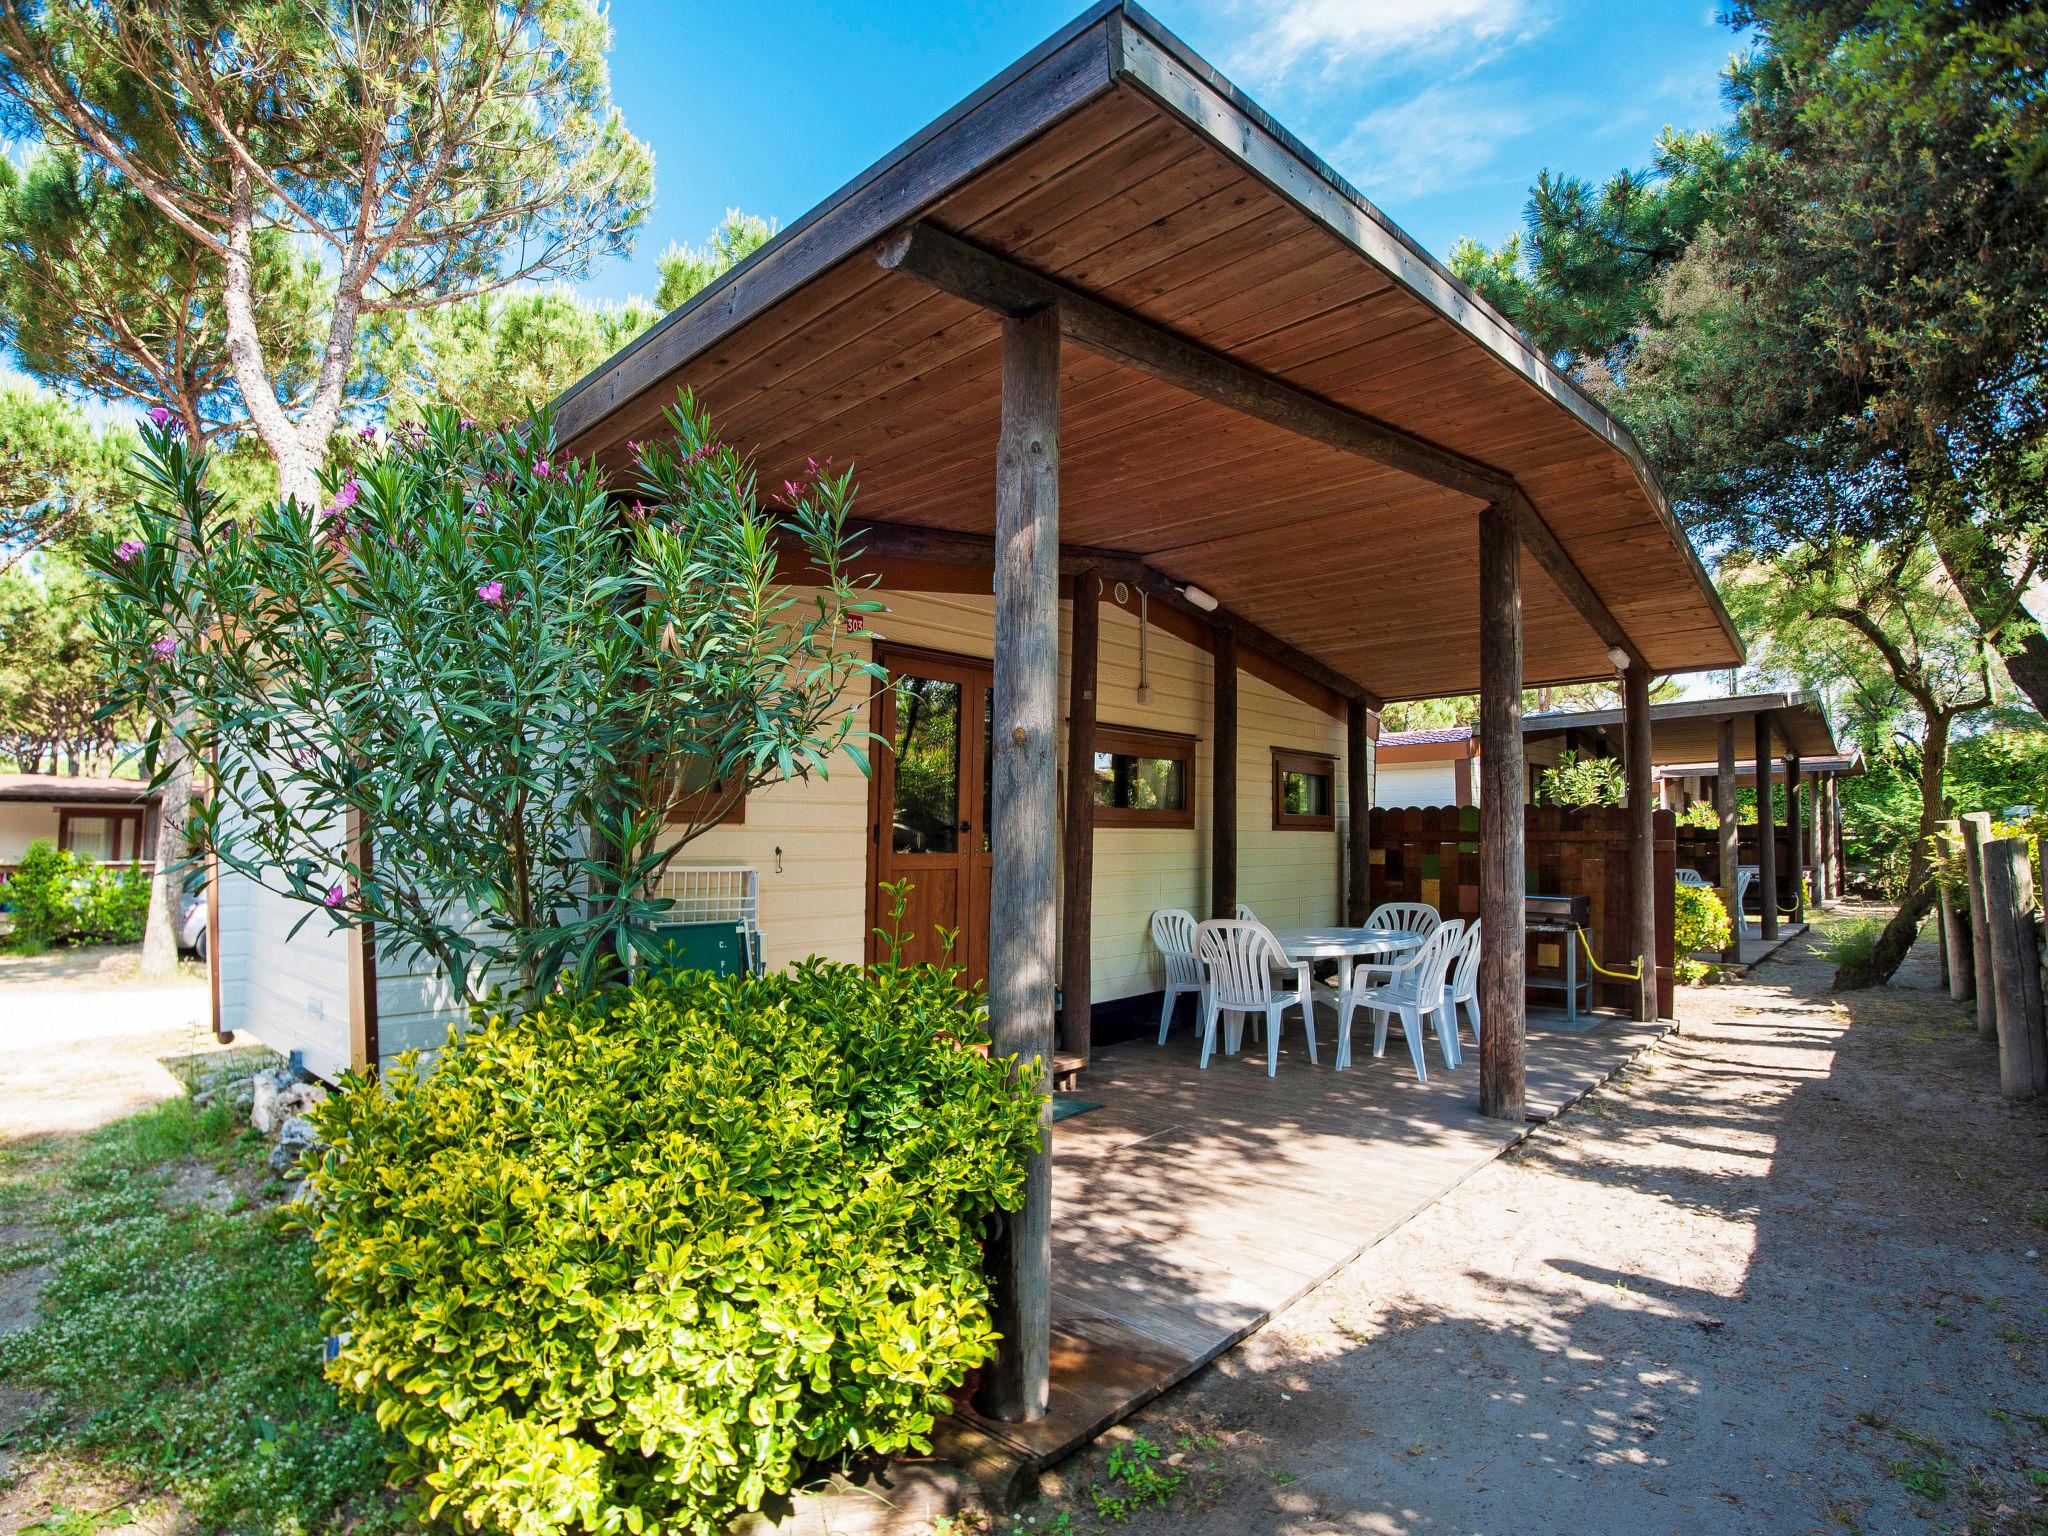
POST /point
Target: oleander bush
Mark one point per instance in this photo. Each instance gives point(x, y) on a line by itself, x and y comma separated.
point(645, 1261)
point(56, 897)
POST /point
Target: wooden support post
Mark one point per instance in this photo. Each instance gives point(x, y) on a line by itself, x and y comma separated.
point(1358, 822)
point(1077, 909)
point(1223, 783)
point(1503, 874)
point(1976, 833)
point(1817, 838)
point(1023, 811)
point(1838, 868)
point(1730, 837)
point(1956, 938)
point(1795, 835)
point(1766, 831)
point(1642, 847)
point(2013, 937)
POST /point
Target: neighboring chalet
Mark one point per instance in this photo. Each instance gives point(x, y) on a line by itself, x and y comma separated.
point(111, 821)
point(1177, 459)
point(1435, 767)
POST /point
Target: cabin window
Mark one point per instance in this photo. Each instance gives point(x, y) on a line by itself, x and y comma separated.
point(1143, 778)
point(1304, 791)
point(698, 798)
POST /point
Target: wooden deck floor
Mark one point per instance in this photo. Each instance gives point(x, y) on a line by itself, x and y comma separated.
point(1194, 1205)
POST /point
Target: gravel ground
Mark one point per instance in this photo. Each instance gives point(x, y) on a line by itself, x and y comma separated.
point(1783, 1275)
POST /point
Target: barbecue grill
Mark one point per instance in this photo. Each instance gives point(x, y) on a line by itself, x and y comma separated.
point(1562, 916)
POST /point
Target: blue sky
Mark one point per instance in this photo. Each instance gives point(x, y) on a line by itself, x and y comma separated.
point(1441, 111)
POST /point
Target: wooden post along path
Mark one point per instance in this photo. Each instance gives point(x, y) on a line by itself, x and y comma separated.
point(1976, 833)
point(1766, 832)
point(2013, 931)
point(1956, 937)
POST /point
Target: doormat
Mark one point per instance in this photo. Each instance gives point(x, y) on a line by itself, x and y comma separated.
point(1062, 1107)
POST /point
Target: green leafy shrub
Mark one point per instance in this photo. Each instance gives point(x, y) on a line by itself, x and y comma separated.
point(1701, 814)
point(1850, 943)
point(1699, 920)
point(57, 897)
point(1574, 780)
point(652, 1258)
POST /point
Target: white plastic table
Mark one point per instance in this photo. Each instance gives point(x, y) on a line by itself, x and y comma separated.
point(1306, 945)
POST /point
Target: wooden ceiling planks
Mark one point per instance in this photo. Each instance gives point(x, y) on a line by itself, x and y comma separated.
point(1367, 569)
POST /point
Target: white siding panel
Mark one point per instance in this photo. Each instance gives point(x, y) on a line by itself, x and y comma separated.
point(289, 991)
point(1406, 784)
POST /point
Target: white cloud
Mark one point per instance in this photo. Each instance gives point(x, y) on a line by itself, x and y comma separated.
point(1436, 140)
point(1292, 34)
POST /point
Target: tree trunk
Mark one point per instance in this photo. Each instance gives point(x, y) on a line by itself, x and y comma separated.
point(1890, 951)
point(166, 896)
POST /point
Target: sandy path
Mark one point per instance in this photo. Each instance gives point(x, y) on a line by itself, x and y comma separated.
point(1775, 1278)
point(82, 1042)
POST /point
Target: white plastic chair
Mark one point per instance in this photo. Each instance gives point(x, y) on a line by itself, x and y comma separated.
point(1461, 984)
point(1246, 970)
point(1417, 917)
point(1245, 914)
point(1693, 877)
point(1413, 990)
point(1173, 932)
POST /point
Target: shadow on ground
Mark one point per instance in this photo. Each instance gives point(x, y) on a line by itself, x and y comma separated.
point(1783, 1275)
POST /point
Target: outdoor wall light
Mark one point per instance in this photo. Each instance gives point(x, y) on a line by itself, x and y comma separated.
point(1198, 597)
point(1619, 657)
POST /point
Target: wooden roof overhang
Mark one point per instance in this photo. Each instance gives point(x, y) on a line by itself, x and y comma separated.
point(1268, 391)
point(1688, 730)
point(1846, 765)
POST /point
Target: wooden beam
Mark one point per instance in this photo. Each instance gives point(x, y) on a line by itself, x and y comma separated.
point(1729, 837)
point(967, 271)
point(948, 545)
point(1223, 782)
point(365, 1047)
point(1565, 574)
point(1503, 878)
point(1022, 819)
point(1077, 970)
point(1642, 847)
point(1766, 831)
point(1358, 820)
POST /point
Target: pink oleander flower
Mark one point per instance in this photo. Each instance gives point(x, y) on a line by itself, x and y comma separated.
point(164, 647)
point(493, 593)
point(467, 423)
point(638, 512)
point(127, 550)
point(344, 497)
point(335, 895)
point(633, 446)
point(541, 469)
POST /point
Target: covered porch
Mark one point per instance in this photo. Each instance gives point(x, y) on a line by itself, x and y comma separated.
point(1190, 1206)
point(1108, 323)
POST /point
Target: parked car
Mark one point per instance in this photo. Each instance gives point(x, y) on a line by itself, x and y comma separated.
point(192, 916)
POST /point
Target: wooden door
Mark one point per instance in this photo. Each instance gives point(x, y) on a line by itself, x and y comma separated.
point(929, 807)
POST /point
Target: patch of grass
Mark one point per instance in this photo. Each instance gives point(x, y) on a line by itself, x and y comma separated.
point(181, 1346)
point(1848, 941)
point(1133, 1479)
point(1924, 1479)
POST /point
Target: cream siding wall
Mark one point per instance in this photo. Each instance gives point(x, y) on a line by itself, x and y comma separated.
point(22, 823)
point(814, 893)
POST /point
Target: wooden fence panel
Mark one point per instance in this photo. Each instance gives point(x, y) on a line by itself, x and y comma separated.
point(1431, 854)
